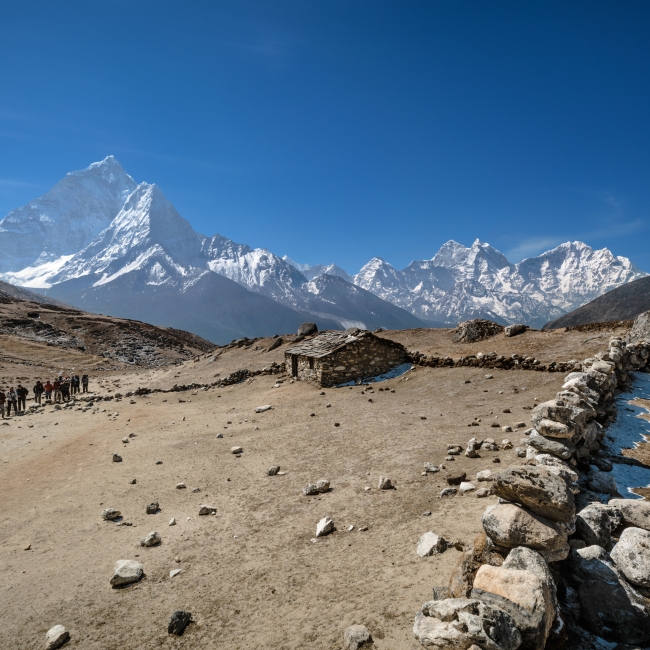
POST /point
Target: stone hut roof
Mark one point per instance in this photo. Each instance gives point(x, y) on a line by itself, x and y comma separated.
point(328, 342)
point(322, 344)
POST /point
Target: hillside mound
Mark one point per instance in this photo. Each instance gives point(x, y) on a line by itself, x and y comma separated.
point(623, 303)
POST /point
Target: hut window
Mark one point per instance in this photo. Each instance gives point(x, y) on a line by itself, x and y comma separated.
point(311, 363)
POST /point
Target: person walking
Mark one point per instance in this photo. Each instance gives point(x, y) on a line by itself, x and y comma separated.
point(56, 389)
point(12, 401)
point(3, 399)
point(38, 392)
point(84, 383)
point(22, 393)
point(65, 389)
point(48, 390)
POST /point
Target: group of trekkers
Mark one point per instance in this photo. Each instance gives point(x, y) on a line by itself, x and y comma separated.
point(59, 390)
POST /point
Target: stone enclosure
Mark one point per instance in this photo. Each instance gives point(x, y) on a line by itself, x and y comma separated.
point(332, 358)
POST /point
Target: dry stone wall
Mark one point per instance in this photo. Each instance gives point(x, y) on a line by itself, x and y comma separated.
point(564, 560)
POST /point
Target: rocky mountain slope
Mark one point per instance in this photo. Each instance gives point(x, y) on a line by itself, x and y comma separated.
point(620, 304)
point(99, 240)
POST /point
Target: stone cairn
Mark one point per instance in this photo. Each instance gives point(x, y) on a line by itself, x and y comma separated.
point(563, 559)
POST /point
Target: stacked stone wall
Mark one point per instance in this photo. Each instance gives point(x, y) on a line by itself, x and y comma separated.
point(563, 560)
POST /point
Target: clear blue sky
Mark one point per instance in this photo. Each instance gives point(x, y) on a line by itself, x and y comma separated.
point(342, 130)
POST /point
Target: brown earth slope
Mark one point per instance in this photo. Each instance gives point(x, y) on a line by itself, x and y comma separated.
point(251, 575)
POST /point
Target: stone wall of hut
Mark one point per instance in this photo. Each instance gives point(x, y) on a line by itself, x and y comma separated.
point(366, 357)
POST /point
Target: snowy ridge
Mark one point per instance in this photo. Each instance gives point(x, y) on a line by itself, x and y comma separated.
point(98, 229)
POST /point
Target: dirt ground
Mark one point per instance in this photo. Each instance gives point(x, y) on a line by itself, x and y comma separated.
point(251, 575)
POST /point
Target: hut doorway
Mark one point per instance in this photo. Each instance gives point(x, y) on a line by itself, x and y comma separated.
point(294, 365)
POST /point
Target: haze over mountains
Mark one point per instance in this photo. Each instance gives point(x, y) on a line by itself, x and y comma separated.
point(102, 242)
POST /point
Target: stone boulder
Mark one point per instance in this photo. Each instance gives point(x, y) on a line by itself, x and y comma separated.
point(125, 572)
point(276, 344)
point(596, 522)
point(632, 556)
point(384, 483)
point(610, 608)
point(563, 449)
point(556, 410)
point(110, 513)
point(431, 544)
point(514, 330)
point(324, 527)
point(470, 331)
point(152, 539)
point(459, 623)
point(537, 489)
point(552, 429)
point(178, 621)
point(602, 483)
point(56, 636)
point(529, 598)
point(635, 512)
point(355, 637)
point(307, 329)
point(509, 525)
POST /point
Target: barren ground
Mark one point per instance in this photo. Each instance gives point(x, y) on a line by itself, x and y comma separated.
point(251, 576)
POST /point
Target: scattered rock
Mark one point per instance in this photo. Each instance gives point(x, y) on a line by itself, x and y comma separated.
point(262, 409)
point(109, 514)
point(56, 636)
point(180, 486)
point(272, 471)
point(632, 556)
point(482, 493)
point(207, 510)
point(324, 527)
point(126, 572)
point(132, 481)
point(236, 450)
point(431, 544)
point(152, 539)
point(466, 487)
point(385, 483)
point(537, 489)
point(472, 449)
point(152, 508)
point(448, 492)
point(430, 468)
point(172, 522)
point(484, 475)
point(117, 458)
point(323, 486)
point(178, 621)
point(310, 489)
point(356, 636)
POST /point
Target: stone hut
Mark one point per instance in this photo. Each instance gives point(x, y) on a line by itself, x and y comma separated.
point(333, 357)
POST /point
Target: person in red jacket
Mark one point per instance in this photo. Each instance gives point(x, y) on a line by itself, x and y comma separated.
point(48, 389)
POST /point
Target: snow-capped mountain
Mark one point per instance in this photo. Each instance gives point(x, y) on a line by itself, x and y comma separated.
point(103, 242)
point(147, 262)
point(65, 219)
point(478, 282)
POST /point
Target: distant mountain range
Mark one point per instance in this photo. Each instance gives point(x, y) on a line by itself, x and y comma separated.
point(102, 242)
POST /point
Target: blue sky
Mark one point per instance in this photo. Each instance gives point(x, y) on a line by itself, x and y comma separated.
point(339, 131)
